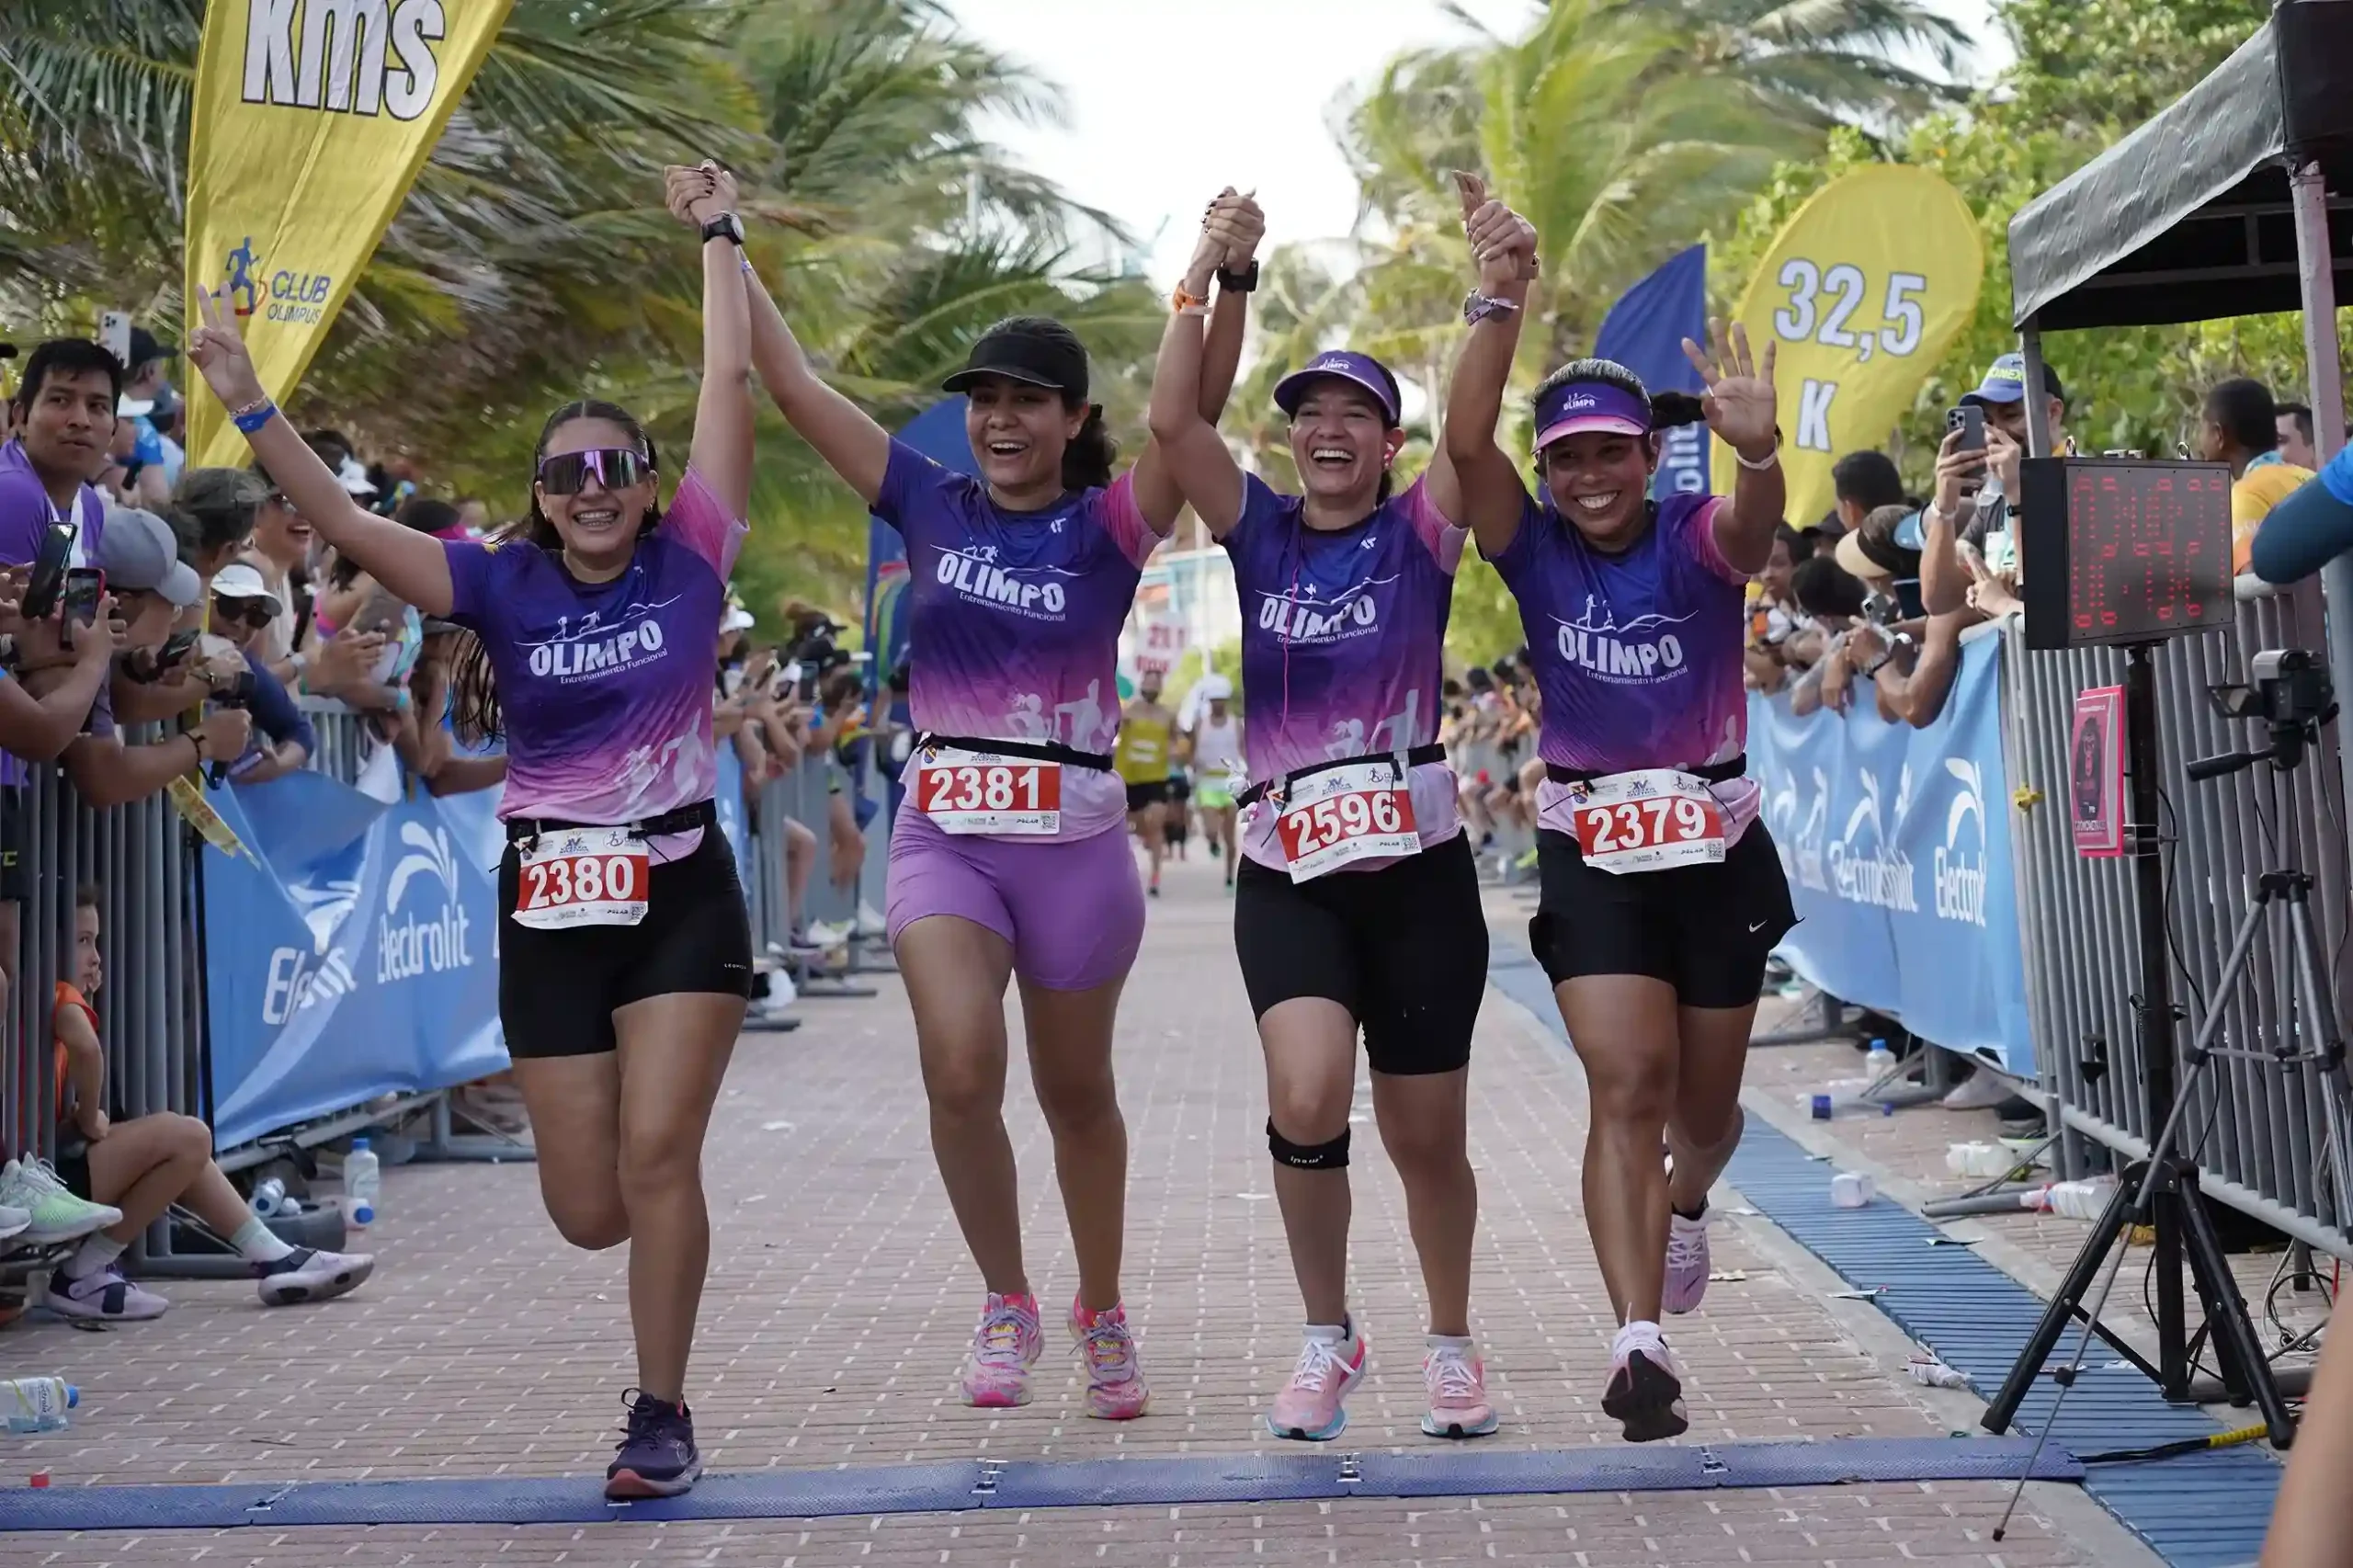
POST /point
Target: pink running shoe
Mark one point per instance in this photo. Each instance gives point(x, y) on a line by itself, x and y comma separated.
point(1329, 1364)
point(1645, 1391)
point(1457, 1381)
point(1115, 1385)
point(1006, 1345)
point(1686, 1262)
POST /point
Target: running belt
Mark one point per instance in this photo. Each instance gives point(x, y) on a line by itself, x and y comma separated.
point(1036, 750)
point(1418, 758)
point(1713, 772)
point(686, 819)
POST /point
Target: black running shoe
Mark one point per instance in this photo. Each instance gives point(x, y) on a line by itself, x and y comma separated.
point(658, 1456)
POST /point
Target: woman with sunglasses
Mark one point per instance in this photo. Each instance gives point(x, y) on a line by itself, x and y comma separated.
point(1661, 892)
point(625, 956)
point(1357, 904)
point(1008, 861)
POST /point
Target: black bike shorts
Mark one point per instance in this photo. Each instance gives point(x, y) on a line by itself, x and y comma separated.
point(1705, 930)
point(1402, 948)
point(557, 989)
point(1152, 792)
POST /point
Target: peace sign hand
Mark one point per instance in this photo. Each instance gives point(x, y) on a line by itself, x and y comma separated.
point(218, 351)
point(1739, 402)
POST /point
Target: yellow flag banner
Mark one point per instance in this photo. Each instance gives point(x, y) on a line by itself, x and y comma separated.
point(311, 119)
point(1863, 290)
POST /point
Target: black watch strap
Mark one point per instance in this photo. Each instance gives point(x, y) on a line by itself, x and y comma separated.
point(1242, 282)
point(726, 226)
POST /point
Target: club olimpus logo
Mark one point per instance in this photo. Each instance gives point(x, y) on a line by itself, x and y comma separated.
point(286, 295)
point(363, 57)
point(975, 573)
point(409, 948)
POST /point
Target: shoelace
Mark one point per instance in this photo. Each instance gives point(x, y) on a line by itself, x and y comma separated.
point(1451, 1376)
point(43, 1178)
point(1318, 1359)
point(1683, 1246)
point(646, 1422)
point(999, 1340)
point(1110, 1351)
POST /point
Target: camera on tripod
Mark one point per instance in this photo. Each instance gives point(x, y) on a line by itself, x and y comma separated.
point(2289, 693)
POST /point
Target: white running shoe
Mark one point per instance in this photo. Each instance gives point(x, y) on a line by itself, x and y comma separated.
point(1985, 1090)
point(1686, 1262)
point(14, 1223)
point(57, 1214)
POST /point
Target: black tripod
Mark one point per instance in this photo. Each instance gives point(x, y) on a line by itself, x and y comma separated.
point(2162, 1191)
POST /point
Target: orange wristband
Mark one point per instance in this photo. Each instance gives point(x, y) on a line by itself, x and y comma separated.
point(1180, 301)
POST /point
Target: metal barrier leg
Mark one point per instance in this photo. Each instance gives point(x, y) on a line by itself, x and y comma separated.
point(489, 1146)
point(1834, 1025)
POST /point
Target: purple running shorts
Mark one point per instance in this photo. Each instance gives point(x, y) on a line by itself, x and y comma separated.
point(1072, 908)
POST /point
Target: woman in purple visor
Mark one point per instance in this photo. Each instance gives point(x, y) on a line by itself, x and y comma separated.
point(1661, 892)
point(1357, 904)
point(1008, 859)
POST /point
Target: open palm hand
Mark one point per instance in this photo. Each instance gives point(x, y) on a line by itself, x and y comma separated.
point(1739, 402)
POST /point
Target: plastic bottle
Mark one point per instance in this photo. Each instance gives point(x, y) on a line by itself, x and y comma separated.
point(362, 1179)
point(1879, 1060)
point(1929, 1373)
point(269, 1198)
point(37, 1404)
point(2075, 1200)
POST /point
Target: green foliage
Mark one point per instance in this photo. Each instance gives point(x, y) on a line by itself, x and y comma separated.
point(2089, 71)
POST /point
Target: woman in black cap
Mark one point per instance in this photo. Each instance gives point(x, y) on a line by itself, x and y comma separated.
point(1006, 856)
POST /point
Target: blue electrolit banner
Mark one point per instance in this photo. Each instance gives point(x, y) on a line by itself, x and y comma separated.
point(939, 434)
point(728, 798)
point(355, 954)
point(1897, 844)
point(1644, 332)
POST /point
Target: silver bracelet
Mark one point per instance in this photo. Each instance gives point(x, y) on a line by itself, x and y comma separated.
point(1478, 307)
point(1771, 458)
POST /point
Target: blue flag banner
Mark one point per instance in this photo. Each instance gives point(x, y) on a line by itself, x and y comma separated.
point(1897, 845)
point(353, 955)
point(1644, 332)
point(728, 800)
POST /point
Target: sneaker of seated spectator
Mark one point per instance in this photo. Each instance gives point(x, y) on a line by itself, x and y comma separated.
point(31, 1189)
point(146, 1164)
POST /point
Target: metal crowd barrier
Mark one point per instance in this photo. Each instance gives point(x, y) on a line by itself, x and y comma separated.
point(805, 795)
point(151, 1004)
point(2262, 1146)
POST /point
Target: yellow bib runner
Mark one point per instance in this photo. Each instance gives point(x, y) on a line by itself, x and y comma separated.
point(1144, 750)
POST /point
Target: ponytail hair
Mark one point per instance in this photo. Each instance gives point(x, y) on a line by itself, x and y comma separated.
point(1387, 488)
point(474, 711)
point(1087, 460)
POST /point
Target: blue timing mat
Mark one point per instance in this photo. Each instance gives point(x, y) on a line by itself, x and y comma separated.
point(966, 1485)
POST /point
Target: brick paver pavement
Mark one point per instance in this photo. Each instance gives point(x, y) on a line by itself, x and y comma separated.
point(840, 1300)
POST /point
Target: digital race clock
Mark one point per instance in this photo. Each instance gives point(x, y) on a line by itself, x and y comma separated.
point(2117, 550)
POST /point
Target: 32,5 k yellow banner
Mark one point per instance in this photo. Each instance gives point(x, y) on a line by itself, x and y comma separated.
point(1862, 290)
point(311, 119)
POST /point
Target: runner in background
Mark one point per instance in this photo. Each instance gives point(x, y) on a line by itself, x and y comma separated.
point(1662, 895)
point(1007, 859)
point(1176, 821)
point(1147, 735)
point(1356, 908)
point(1214, 750)
point(626, 958)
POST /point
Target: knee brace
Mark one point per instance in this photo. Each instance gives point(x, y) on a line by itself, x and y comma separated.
point(1331, 1156)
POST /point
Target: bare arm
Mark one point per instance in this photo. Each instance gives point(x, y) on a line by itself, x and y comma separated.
point(721, 451)
point(410, 563)
point(1477, 485)
point(1740, 407)
point(1192, 453)
point(85, 1063)
point(38, 729)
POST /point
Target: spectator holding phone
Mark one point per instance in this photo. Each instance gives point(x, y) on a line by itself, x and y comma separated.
point(1967, 538)
point(242, 610)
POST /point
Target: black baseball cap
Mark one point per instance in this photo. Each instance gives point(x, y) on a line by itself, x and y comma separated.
point(145, 349)
point(1036, 350)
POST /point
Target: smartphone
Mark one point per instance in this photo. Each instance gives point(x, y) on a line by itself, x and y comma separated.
point(1970, 420)
point(85, 586)
point(114, 335)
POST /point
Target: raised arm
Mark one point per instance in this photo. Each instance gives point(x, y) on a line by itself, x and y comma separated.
point(1191, 454)
point(413, 565)
point(852, 444)
point(1475, 483)
point(1740, 407)
point(1165, 480)
point(722, 452)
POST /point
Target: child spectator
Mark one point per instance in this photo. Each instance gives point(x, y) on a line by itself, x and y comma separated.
point(146, 1164)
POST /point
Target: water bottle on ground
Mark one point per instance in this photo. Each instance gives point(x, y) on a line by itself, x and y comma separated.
point(269, 1198)
point(362, 1179)
point(37, 1404)
point(2075, 1200)
point(1879, 1060)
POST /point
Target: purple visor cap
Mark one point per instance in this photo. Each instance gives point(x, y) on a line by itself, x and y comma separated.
point(1589, 405)
point(1362, 369)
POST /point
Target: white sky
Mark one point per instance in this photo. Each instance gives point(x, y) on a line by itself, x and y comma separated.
point(1171, 100)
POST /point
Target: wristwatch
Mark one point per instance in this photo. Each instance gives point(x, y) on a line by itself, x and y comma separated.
point(726, 226)
point(1242, 282)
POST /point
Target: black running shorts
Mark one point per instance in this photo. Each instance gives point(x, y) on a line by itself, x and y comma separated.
point(1148, 794)
point(1704, 929)
point(557, 989)
point(1402, 948)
